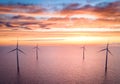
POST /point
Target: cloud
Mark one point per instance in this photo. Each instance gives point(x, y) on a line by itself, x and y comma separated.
point(22, 17)
point(71, 16)
point(112, 9)
point(21, 8)
point(73, 6)
point(86, 16)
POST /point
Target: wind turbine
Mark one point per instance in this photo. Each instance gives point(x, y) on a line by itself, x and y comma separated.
point(83, 52)
point(36, 48)
point(17, 51)
point(107, 52)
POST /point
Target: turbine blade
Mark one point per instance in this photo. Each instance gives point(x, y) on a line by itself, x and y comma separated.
point(110, 52)
point(21, 51)
point(83, 47)
point(12, 50)
point(37, 48)
point(102, 50)
point(34, 48)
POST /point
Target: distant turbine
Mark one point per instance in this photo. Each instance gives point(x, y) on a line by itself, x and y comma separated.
point(107, 52)
point(83, 52)
point(36, 48)
point(17, 50)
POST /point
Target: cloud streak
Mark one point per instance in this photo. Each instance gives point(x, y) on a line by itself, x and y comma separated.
point(74, 15)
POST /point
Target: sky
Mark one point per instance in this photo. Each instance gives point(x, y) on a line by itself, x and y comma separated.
point(53, 1)
point(25, 18)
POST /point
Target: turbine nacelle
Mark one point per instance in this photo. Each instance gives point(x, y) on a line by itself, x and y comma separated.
point(106, 49)
point(17, 50)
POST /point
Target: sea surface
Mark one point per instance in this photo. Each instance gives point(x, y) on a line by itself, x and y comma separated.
point(62, 64)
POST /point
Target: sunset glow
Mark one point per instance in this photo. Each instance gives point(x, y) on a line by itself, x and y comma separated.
point(60, 37)
point(60, 22)
point(59, 41)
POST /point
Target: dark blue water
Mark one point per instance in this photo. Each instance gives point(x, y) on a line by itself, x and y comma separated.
point(60, 65)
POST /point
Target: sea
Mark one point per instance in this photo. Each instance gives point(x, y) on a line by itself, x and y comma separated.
point(60, 64)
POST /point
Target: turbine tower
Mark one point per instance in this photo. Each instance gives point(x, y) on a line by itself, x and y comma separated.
point(83, 48)
point(107, 52)
point(36, 48)
point(17, 51)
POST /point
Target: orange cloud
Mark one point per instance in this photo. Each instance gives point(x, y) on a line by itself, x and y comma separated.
point(72, 16)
